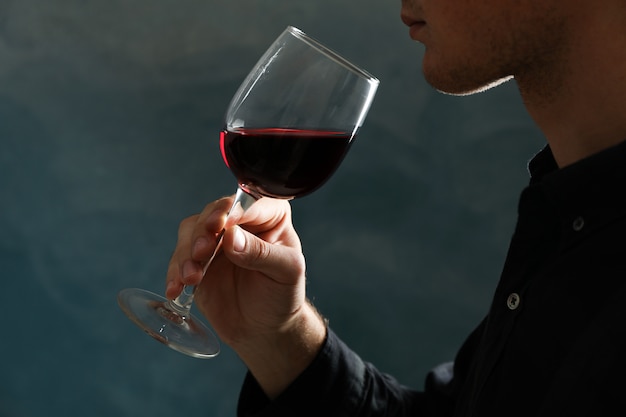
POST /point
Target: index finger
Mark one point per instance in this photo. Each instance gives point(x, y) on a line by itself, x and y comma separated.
point(209, 225)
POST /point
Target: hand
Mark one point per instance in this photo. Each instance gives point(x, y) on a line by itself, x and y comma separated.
point(253, 293)
point(256, 283)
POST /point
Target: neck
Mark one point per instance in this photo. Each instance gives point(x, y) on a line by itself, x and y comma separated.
point(578, 100)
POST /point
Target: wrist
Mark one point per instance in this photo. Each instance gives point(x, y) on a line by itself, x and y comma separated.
point(277, 358)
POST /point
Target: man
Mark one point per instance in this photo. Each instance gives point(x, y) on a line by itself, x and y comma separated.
point(553, 341)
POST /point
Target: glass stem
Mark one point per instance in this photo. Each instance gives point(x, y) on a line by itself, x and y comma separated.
point(182, 303)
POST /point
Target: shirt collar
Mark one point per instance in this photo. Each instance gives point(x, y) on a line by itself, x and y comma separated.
point(589, 192)
point(541, 164)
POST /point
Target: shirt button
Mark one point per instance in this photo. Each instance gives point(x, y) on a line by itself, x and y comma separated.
point(513, 301)
point(578, 224)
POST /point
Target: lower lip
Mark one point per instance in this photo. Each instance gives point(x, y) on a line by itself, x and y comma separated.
point(415, 29)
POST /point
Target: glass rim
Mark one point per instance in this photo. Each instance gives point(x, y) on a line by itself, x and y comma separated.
point(332, 54)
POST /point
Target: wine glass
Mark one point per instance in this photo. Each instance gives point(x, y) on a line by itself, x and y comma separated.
point(286, 130)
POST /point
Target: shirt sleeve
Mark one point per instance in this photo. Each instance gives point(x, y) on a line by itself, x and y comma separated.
point(338, 383)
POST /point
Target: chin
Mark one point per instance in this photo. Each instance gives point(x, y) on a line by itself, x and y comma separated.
point(474, 90)
point(481, 88)
point(461, 83)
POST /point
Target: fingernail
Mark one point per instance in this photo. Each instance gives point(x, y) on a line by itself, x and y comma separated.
point(239, 242)
point(190, 268)
point(200, 244)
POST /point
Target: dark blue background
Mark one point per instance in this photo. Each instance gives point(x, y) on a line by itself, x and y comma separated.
point(109, 120)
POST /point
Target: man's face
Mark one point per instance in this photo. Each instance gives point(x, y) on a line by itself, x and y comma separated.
point(472, 44)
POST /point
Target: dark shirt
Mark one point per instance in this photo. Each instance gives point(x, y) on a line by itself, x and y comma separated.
point(554, 340)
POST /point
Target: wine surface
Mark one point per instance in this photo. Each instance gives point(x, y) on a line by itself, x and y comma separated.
point(283, 163)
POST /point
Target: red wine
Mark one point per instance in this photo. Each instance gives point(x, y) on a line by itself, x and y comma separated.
point(283, 163)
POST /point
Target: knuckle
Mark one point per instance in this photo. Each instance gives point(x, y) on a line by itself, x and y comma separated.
point(263, 252)
point(299, 264)
point(186, 223)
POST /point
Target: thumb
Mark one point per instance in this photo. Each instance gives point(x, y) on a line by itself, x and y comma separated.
point(281, 263)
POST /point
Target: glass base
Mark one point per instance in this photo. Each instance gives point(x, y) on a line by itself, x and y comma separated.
point(153, 314)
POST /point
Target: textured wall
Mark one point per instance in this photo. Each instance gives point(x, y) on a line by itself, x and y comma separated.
point(109, 120)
